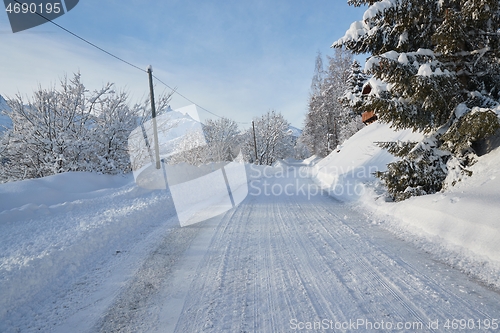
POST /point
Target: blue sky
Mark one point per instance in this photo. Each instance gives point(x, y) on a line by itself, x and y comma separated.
point(238, 59)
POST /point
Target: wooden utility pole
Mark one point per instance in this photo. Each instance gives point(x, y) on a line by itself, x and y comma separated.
point(153, 115)
point(255, 144)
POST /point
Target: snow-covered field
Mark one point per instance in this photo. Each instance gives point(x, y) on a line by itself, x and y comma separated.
point(82, 252)
point(69, 242)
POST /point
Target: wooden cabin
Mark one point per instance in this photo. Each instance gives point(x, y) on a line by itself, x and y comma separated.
point(368, 117)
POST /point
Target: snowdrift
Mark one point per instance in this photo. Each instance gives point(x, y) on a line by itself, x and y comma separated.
point(461, 224)
point(54, 230)
point(347, 172)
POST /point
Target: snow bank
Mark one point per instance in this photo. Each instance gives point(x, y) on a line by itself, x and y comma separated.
point(61, 236)
point(312, 160)
point(346, 173)
point(460, 225)
point(467, 215)
point(56, 189)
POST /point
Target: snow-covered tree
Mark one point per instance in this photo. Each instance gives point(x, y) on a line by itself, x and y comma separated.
point(301, 149)
point(113, 121)
point(319, 75)
point(353, 94)
point(50, 134)
point(189, 150)
point(273, 138)
point(328, 122)
point(68, 129)
point(222, 137)
point(439, 63)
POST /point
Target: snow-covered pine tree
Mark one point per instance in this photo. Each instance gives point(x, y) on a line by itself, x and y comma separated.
point(347, 121)
point(319, 75)
point(315, 130)
point(354, 88)
point(439, 61)
point(358, 3)
point(313, 133)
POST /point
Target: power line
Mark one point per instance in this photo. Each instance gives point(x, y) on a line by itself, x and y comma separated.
point(124, 61)
point(190, 101)
point(86, 41)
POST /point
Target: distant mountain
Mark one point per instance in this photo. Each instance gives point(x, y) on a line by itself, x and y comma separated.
point(3, 104)
point(296, 132)
point(5, 121)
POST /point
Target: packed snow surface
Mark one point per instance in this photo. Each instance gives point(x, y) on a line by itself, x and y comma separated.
point(82, 252)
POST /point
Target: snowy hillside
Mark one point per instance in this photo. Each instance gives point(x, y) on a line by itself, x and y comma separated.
point(346, 172)
point(296, 132)
point(460, 225)
point(4, 120)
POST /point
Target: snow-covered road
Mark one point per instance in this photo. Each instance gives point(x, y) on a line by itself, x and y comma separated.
point(288, 259)
point(289, 262)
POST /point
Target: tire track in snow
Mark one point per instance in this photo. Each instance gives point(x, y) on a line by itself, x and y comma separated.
point(274, 259)
point(382, 273)
point(362, 269)
point(377, 276)
point(308, 270)
point(385, 265)
point(130, 311)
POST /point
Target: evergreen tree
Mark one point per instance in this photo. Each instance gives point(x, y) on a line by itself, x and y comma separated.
point(328, 122)
point(314, 133)
point(357, 78)
point(439, 61)
point(353, 94)
point(319, 75)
